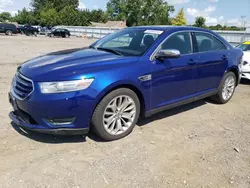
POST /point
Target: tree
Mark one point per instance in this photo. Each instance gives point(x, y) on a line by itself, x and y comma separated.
point(58, 5)
point(155, 12)
point(140, 12)
point(200, 22)
point(84, 18)
point(49, 17)
point(5, 16)
point(98, 16)
point(62, 12)
point(25, 17)
point(180, 18)
point(116, 9)
point(68, 16)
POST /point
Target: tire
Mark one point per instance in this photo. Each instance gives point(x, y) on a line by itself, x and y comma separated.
point(8, 32)
point(110, 131)
point(220, 96)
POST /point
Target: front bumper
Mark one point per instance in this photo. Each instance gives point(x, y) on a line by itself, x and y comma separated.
point(245, 71)
point(33, 112)
point(60, 131)
point(245, 75)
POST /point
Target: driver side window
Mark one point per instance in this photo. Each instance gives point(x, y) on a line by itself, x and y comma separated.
point(178, 41)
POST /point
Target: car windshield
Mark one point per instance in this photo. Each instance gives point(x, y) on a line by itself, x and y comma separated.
point(128, 42)
point(244, 47)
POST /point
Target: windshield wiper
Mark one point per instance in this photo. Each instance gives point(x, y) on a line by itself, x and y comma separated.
point(92, 47)
point(109, 50)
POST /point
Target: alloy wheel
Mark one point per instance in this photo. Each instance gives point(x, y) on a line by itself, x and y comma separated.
point(119, 115)
point(228, 88)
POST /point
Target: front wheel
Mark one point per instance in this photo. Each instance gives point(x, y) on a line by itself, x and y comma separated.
point(116, 115)
point(226, 88)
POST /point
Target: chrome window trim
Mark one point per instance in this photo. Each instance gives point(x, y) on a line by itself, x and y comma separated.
point(25, 78)
point(152, 57)
point(191, 41)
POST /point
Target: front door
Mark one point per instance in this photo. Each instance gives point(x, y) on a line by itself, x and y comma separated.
point(57, 32)
point(1, 28)
point(173, 78)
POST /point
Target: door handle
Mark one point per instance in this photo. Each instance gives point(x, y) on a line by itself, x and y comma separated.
point(191, 62)
point(224, 57)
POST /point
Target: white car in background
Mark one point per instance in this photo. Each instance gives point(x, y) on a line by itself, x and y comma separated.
point(245, 46)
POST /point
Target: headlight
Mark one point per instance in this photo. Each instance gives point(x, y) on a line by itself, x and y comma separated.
point(65, 86)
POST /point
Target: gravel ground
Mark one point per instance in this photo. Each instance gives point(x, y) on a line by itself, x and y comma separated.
point(200, 145)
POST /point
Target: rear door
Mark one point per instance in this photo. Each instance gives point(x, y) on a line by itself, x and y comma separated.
point(13, 29)
point(213, 59)
point(63, 33)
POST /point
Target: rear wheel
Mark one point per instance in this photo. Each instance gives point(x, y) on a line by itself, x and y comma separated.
point(116, 114)
point(8, 32)
point(226, 89)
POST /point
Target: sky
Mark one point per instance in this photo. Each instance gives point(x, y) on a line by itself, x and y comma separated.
point(227, 12)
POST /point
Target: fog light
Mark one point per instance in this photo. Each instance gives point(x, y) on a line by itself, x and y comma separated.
point(59, 122)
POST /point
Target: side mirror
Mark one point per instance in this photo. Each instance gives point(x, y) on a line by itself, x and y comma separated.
point(162, 54)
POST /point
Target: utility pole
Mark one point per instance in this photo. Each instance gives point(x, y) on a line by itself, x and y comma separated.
point(243, 28)
point(243, 22)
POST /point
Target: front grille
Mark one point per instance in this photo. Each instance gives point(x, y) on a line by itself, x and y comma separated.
point(22, 87)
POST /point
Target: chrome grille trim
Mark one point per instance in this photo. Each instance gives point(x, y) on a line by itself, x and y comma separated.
point(21, 86)
point(22, 82)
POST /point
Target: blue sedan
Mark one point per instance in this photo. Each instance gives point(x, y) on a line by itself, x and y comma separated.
point(134, 72)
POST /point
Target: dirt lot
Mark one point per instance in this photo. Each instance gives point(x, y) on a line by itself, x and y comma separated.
point(200, 145)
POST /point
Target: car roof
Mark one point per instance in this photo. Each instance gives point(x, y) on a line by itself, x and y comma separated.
point(7, 24)
point(170, 27)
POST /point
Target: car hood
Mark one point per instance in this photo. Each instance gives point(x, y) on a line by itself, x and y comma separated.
point(70, 64)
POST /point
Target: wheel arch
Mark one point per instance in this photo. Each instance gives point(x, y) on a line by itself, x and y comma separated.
point(236, 71)
point(130, 86)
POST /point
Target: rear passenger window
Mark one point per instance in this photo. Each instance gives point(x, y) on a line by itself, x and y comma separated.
point(218, 45)
point(179, 41)
point(206, 42)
